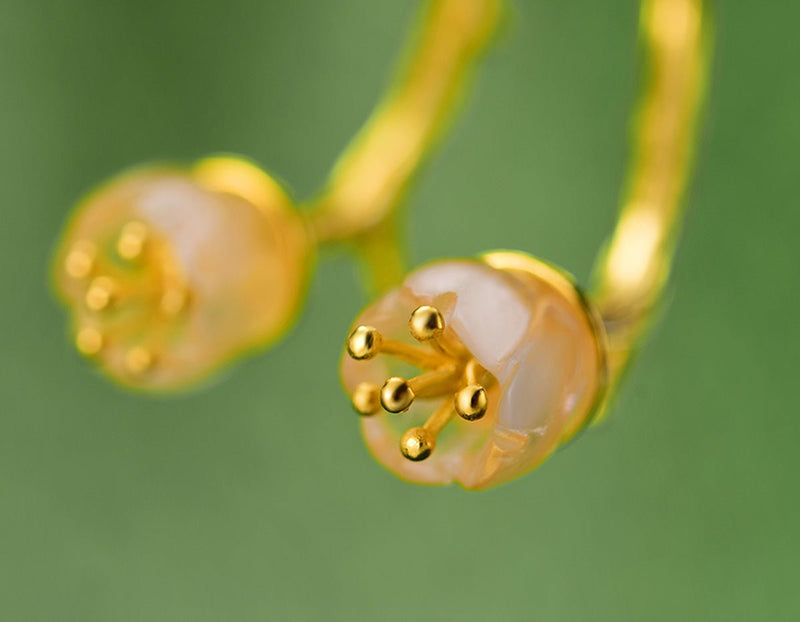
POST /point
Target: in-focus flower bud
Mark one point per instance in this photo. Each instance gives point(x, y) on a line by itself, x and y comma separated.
point(476, 370)
point(170, 272)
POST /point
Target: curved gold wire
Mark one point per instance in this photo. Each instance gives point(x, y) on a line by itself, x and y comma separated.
point(371, 177)
point(632, 269)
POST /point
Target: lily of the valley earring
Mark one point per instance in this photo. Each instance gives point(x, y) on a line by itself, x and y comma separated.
point(475, 370)
point(170, 271)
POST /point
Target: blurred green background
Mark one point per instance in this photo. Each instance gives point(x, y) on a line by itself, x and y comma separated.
point(255, 499)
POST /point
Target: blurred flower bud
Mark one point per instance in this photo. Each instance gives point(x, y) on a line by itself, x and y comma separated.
point(171, 272)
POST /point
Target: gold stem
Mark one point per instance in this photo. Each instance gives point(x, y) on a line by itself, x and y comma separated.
point(633, 268)
point(471, 372)
point(440, 417)
point(373, 173)
point(434, 382)
point(412, 354)
point(449, 345)
point(382, 257)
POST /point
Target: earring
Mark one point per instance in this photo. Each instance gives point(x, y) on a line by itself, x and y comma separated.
point(170, 272)
point(475, 370)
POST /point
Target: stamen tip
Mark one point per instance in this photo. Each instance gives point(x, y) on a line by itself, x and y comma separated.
point(417, 444)
point(100, 294)
point(366, 399)
point(173, 301)
point(364, 343)
point(138, 360)
point(80, 260)
point(396, 395)
point(426, 323)
point(132, 237)
point(89, 341)
point(471, 402)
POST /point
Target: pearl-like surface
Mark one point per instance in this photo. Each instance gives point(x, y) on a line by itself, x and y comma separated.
point(538, 344)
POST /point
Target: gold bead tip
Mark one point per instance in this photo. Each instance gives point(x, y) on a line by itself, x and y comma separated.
point(364, 343)
point(173, 301)
point(471, 402)
point(80, 260)
point(426, 323)
point(366, 399)
point(138, 360)
point(452, 375)
point(89, 341)
point(417, 444)
point(100, 294)
point(396, 395)
point(131, 241)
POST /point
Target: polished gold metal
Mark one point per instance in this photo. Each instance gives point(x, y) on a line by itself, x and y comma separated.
point(453, 377)
point(439, 419)
point(471, 402)
point(436, 382)
point(426, 323)
point(364, 343)
point(366, 399)
point(633, 268)
point(417, 444)
point(373, 175)
point(396, 395)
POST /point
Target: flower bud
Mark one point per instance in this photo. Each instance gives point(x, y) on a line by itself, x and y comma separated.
point(170, 272)
point(513, 366)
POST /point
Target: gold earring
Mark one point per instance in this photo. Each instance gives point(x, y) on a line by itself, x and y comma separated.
point(475, 370)
point(170, 272)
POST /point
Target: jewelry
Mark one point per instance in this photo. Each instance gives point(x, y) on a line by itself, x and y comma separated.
point(171, 272)
point(515, 359)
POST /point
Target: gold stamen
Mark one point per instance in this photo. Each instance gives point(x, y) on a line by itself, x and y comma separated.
point(365, 342)
point(100, 294)
point(471, 402)
point(415, 356)
point(132, 238)
point(440, 417)
point(396, 395)
point(435, 382)
point(472, 371)
point(366, 399)
point(80, 260)
point(138, 360)
point(89, 341)
point(426, 323)
point(452, 372)
point(418, 443)
point(173, 301)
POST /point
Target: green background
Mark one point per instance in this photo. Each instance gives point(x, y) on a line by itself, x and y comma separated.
point(254, 499)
